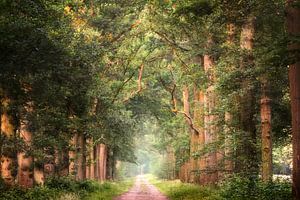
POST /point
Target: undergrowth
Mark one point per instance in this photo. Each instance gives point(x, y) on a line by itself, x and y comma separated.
point(235, 188)
point(64, 188)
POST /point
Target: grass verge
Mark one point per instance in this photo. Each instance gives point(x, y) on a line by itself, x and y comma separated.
point(233, 188)
point(175, 190)
point(109, 190)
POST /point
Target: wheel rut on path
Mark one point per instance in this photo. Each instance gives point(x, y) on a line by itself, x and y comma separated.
point(142, 190)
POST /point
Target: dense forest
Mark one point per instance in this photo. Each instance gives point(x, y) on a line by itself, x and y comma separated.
point(205, 91)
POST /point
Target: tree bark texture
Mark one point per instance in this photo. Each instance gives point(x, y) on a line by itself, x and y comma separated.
point(38, 176)
point(101, 162)
point(90, 166)
point(73, 156)
point(7, 131)
point(25, 162)
point(210, 119)
point(81, 157)
point(228, 143)
point(293, 28)
point(266, 135)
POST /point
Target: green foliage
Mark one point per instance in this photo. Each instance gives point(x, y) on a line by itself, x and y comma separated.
point(42, 193)
point(54, 188)
point(238, 188)
point(195, 8)
point(61, 57)
point(62, 183)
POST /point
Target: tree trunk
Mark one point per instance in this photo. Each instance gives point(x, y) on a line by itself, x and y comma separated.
point(193, 135)
point(198, 118)
point(247, 163)
point(63, 169)
point(7, 131)
point(38, 175)
point(97, 165)
point(266, 144)
point(202, 161)
point(228, 143)
point(210, 119)
point(90, 173)
point(102, 162)
point(25, 162)
point(73, 156)
point(81, 157)
point(231, 32)
point(293, 28)
point(294, 76)
point(109, 167)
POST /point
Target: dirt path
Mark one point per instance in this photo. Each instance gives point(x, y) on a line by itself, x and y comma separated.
point(142, 190)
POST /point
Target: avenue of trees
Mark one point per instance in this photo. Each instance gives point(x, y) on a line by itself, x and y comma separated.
point(215, 83)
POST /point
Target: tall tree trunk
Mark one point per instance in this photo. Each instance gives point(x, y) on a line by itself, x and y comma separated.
point(195, 137)
point(294, 76)
point(81, 157)
point(171, 162)
point(38, 175)
point(202, 161)
point(102, 162)
point(199, 124)
point(64, 163)
point(73, 156)
point(247, 153)
point(1, 134)
point(90, 173)
point(210, 118)
point(266, 144)
point(111, 165)
point(231, 34)
point(186, 110)
point(110, 158)
point(25, 162)
point(7, 131)
point(293, 28)
point(228, 143)
point(97, 166)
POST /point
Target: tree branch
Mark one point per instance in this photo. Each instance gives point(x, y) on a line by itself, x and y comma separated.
point(140, 79)
point(121, 87)
point(171, 90)
point(190, 121)
point(172, 43)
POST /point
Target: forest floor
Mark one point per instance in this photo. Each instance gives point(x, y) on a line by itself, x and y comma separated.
point(142, 190)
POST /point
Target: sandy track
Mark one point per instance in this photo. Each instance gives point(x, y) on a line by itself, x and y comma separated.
point(142, 190)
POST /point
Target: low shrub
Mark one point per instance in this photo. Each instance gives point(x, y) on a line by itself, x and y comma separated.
point(62, 183)
point(238, 188)
point(40, 193)
point(88, 185)
point(54, 188)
